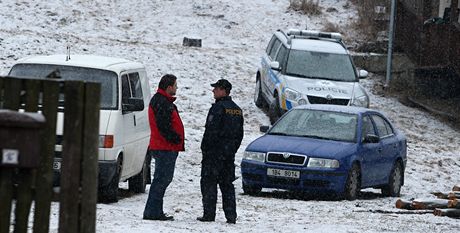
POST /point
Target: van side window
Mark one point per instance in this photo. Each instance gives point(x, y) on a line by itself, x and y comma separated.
point(131, 86)
point(135, 83)
point(125, 89)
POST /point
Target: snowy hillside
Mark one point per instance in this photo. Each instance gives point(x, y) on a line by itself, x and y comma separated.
point(234, 34)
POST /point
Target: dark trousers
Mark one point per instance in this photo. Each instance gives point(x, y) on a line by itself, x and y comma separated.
point(222, 173)
point(165, 162)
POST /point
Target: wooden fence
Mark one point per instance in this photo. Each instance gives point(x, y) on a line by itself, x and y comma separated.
point(23, 186)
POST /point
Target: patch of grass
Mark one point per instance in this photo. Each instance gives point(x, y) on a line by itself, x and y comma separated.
point(330, 27)
point(308, 7)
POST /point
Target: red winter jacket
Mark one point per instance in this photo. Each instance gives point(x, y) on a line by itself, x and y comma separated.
point(166, 128)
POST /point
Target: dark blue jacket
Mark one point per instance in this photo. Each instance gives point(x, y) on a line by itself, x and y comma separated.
point(224, 130)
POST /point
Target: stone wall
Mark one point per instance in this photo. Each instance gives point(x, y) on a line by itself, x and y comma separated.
point(409, 79)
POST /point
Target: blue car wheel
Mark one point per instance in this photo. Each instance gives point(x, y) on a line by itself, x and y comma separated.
point(352, 187)
point(393, 188)
point(251, 190)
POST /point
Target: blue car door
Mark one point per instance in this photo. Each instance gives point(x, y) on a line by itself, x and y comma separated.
point(371, 154)
point(389, 145)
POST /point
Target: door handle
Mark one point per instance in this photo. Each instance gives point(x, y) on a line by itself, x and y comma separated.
point(134, 118)
point(380, 150)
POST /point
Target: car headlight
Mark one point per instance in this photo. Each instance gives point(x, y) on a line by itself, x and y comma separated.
point(360, 97)
point(323, 163)
point(302, 102)
point(256, 156)
point(291, 94)
point(361, 101)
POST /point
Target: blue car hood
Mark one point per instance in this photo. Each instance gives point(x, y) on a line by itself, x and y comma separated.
point(302, 145)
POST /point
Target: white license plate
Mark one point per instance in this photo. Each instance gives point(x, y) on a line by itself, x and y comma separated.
point(57, 165)
point(283, 173)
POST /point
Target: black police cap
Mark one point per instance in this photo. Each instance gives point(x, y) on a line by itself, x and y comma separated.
point(222, 83)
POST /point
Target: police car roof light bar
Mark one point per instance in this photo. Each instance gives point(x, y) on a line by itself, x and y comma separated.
point(310, 33)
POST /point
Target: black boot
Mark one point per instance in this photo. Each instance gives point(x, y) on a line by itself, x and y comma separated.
point(205, 219)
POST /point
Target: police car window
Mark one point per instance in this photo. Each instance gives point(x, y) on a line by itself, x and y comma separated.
point(274, 49)
point(329, 66)
point(383, 127)
point(367, 128)
point(281, 54)
point(135, 84)
point(270, 45)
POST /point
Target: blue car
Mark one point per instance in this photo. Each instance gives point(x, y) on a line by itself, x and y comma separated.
point(327, 149)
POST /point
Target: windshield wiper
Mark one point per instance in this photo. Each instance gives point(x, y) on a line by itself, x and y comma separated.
point(315, 77)
point(314, 136)
point(278, 133)
point(303, 76)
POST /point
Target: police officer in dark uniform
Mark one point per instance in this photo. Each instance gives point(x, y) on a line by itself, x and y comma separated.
point(222, 138)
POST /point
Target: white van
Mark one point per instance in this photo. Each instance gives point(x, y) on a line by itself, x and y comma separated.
point(123, 128)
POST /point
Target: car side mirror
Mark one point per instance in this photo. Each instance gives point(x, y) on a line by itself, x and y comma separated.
point(132, 105)
point(371, 138)
point(264, 128)
point(275, 65)
point(363, 73)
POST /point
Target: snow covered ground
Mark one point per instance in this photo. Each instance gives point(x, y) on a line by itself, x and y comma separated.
point(234, 34)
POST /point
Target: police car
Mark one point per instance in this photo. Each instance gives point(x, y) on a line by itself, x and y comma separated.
point(307, 67)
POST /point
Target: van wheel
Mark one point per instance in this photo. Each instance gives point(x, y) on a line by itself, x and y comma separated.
point(274, 111)
point(138, 182)
point(109, 193)
point(258, 98)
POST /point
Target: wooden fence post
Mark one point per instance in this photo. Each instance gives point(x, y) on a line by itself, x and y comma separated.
point(44, 178)
point(90, 157)
point(78, 195)
point(71, 157)
point(11, 91)
point(26, 177)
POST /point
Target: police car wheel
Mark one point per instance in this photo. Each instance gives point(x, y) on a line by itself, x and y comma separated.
point(258, 98)
point(274, 111)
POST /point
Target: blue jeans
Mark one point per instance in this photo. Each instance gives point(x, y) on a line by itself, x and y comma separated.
point(165, 162)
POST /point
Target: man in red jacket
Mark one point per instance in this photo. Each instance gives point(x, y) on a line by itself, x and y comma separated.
point(166, 140)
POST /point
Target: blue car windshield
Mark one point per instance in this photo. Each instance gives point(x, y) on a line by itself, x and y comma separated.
point(318, 124)
point(108, 79)
point(329, 66)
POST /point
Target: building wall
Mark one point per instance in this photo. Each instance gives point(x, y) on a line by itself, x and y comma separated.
point(433, 46)
point(414, 6)
point(442, 6)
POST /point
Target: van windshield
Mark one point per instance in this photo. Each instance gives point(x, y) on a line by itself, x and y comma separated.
point(107, 79)
point(329, 66)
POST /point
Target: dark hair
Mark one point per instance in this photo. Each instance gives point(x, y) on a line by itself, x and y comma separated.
point(166, 81)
